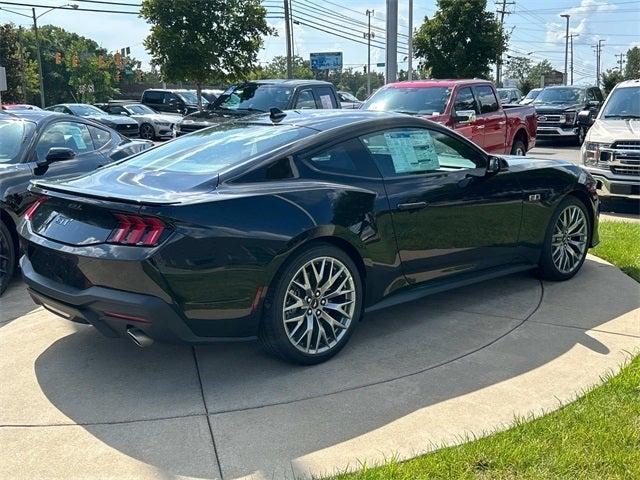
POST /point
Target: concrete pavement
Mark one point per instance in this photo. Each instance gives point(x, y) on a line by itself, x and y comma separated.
point(76, 405)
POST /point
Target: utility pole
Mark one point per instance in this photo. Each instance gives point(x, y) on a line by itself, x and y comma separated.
point(410, 49)
point(287, 32)
point(369, 35)
point(571, 41)
point(620, 57)
point(35, 31)
point(503, 11)
point(392, 42)
point(598, 50)
point(566, 46)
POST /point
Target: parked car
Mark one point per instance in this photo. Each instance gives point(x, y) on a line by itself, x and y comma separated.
point(287, 226)
point(152, 125)
point(46, 145)
point(126, 126)
point(471, 107)
point(178, 101)
point(557, 109)
point(348, 100)
point(531, 96)
point(18, 106)
point(260, 96)
point(611, 151)
point(509, 95)
point(212, 94)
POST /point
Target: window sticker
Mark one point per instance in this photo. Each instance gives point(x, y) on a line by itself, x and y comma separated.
point(76, 134)
point(326, 101)
point(412, 151)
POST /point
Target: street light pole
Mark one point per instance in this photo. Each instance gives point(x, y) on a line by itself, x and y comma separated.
point(566, 46)
point(410, 49)
point(369, 35)
point(571, 62)
point(35, 30)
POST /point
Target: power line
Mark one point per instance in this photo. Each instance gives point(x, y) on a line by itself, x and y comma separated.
point(78, 9)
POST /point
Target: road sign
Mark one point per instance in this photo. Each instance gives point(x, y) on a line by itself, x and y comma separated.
point(3, 79)
point(326, 61)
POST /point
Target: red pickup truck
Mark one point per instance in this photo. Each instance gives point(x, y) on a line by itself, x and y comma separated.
point(471, 107)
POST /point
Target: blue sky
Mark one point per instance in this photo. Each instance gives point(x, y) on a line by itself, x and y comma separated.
point(537, 31)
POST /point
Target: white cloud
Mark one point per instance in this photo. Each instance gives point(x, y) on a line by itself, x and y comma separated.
point(582, 14)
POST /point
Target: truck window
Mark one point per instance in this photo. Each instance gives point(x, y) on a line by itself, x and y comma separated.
point(326, 97)
point(465, 100)
point(487, 99)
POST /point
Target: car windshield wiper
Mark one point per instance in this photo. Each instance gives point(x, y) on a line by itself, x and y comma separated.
point(251, 109)
point(627, 115)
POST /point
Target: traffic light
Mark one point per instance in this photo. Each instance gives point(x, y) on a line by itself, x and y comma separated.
point(364, 69)
point(75, 61)
point(58, 58)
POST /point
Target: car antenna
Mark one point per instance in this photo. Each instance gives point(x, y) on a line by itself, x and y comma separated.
point(275, 114)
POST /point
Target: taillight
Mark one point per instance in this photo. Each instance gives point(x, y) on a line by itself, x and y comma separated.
point(136, 230)
point(31, 211)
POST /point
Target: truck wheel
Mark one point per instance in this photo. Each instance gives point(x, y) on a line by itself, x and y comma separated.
point(7, 257)
point(581, 135)
point(518, 148)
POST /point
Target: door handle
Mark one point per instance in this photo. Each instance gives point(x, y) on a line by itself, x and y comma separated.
point(412, 206)
point(480, 127)
point(503, 122)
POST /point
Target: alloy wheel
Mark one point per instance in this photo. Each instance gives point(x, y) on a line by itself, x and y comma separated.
point(569, 240)
point(319, 305)
point(146, 132)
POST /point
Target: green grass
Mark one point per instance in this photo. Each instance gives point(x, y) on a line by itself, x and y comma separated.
point(620, 245)
point(595, 437)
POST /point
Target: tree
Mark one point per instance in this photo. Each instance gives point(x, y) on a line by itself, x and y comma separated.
point(537, 71)
point(214, 41)
point(277, 68)
point(519, 68)
point(461, 40)
point(610, 79)
point(21, 72)
point(632, 69)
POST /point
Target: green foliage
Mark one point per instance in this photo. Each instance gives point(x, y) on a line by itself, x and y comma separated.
point(215, 42)
point(610, 79)
point(277, 68)
point(461, 40)
point(632, 68)
point(355, 81)
point(538, 70)
point(527, 75)
point(21, 71)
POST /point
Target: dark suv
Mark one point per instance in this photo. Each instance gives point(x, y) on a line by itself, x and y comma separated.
point(172, 101)
point(260, 96)
point(557, 110)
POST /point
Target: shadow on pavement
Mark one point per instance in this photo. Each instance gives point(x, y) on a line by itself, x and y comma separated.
point(399, 361)
point(15, 302)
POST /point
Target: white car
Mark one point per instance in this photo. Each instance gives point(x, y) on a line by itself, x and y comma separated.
point(611, 150)
point(153, 125)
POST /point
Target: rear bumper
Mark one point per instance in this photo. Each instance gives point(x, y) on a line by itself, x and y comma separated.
point(112, 311)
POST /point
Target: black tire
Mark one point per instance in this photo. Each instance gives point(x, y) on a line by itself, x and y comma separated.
point(518, 148)
point(147, 131)
point(582, 133)
point(547, 268)
point(7, 257)
point(273, 333)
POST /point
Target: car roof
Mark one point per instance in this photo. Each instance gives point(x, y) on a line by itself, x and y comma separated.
point(438, 83)
point(322, 120)
point(35, 116)
point(629, 83)
point(556, 87)
point(291, 82)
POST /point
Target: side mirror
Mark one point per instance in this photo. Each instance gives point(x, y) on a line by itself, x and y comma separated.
point(496, 165)
point(57, 154)
point(464, 116)
point(585, 119)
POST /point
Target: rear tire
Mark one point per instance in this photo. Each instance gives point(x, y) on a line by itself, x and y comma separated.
point(582, 133)
point(518, 148)
point(566, 241)
point(7, 257)
point(313, 306)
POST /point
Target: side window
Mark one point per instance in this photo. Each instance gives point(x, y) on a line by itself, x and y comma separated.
point(100, 137)
point(465, 100)
point(590, 95)
point(153, 97)
point(326, 97)
point(409, 151)
point(71, 135)
point(346, 158)
point(281, 169)
point(116, 110)
point(60, 109)
point(305, 99)
point(487, 99)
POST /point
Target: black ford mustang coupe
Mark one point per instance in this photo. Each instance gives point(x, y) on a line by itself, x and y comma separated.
point(288, 226)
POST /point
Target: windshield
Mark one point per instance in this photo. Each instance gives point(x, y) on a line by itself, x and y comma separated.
point(560, 95)
point(533, 94)
point(13, 134)
point(623, 103)
point(86, 110)
point(414, 101)
point(139, 109)
point(256, 97)
point(191, 97)
point(348, 97)
point(504, 94)
point(214, 149)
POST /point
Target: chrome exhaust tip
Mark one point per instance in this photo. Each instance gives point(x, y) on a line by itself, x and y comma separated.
point(140, 338)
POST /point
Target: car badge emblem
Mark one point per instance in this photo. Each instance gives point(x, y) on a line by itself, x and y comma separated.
point(542, 118)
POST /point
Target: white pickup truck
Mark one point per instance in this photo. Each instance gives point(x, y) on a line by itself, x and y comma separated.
point(611, 150)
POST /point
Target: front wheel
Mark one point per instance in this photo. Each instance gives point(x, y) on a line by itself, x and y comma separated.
point(581, 136)
point(147, 132)
point(7, 257)
point(313, 306)
point(566, 242)
point(518, 148)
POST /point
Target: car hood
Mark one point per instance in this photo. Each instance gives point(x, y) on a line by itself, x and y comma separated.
point(557, 107)
point(155, 117)
point(519, 163)
point(610, 130)
point(214, 116)
point(116, 119)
